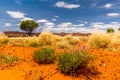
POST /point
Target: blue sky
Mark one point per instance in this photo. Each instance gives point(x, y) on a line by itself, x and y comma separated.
point(61, 15)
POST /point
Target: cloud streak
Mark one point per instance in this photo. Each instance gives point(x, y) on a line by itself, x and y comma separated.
point(16, 14)
point(113, 14)
point(66, 5)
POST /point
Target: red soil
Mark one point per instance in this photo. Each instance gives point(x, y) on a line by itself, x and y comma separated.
point(107, 63)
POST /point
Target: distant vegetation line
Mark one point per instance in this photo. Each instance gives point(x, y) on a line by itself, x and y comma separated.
point(24, 34)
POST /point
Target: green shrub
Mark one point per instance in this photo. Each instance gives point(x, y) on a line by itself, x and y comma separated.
point(69, 63)
point(45, 55)
point(110, 30)
point(6, 59)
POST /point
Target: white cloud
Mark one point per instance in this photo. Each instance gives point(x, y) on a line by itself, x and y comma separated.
point(108, 5)
point(56, 16)
point(7, 24)
point(79, 25)
point(82, 22)
point(45, 23)
point(54, 19)
point(49, 24)
point(42, 21)
point(67, 24)
point(113, 14)
point(103, 26)
point(66, 5)
point(16, 14)
point(18, 1)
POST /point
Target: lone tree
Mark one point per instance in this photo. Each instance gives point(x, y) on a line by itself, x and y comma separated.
point(29, 26)
point(110, 30)
point(118, 29)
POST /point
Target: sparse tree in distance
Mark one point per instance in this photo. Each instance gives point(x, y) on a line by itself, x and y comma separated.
point(110, 30)
point(29, 26)
point(118, 29)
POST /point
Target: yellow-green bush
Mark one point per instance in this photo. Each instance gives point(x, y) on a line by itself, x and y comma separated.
point(115, 39)
point(71, 39)
point(100, 40)
point(3, 39)
point(46, 38)
point(63, 44)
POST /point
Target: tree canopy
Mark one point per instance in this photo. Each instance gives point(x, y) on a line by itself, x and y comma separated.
point(29, 26)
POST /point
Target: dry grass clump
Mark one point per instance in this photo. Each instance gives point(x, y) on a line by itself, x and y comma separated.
point(83, 39)
point(115, 41)
point(22, 41)
point(71, 39)
point(46, 38)
point(63, 44)
point(100, 40)
point(57, 38)
point(3, 39)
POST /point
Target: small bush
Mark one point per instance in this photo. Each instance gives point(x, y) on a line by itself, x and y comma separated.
point(69, 63)
point(71, 39)
point(63, 44)
point(6, 60)
point(100, 40)
point(46, 38)
point(110, 30)
point(3, 39)
point(33, 44)
point(45, 55)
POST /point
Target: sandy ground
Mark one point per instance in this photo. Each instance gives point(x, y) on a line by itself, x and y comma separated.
point(106, 62)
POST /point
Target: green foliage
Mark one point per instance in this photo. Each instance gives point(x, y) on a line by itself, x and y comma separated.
point(29, 26)
point(45, 55)
point(6, 59)
point(69, 63)
point(110, 30)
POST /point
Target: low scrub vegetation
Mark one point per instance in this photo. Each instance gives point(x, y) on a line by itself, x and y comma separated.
point(100, 40)
point(6, 60)
point(44, 56)
point(69, 63)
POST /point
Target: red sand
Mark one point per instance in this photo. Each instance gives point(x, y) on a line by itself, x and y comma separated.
point(108, 64)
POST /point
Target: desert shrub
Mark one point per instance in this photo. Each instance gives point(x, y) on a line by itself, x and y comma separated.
point(3, 39)
point(100, 40)
point(71, 39)
point(63, 44)
point(34, 44)
point(69, 63)
point(45, 55)
point(46, 38)
point(6, 60)
point(83, 39)
point(115, 41)
point(58, 38)
point(110, 30)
